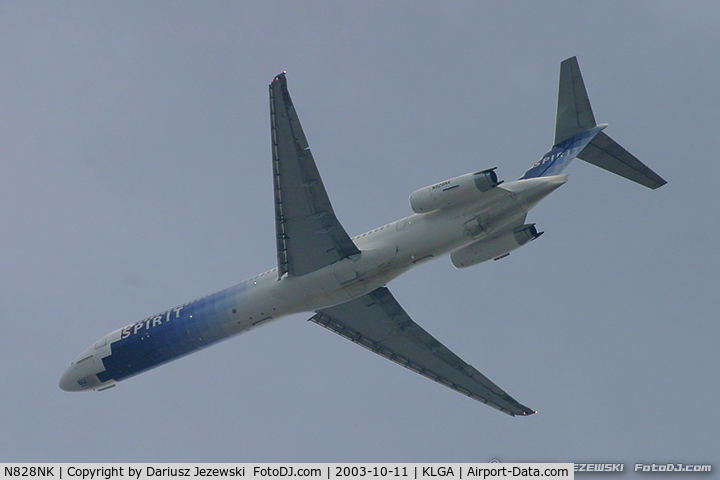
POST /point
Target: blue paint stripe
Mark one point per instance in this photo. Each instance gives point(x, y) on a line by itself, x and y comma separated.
point(560, 156)
point(200, 324)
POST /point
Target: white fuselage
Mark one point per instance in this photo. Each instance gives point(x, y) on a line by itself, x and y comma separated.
point(386, 252)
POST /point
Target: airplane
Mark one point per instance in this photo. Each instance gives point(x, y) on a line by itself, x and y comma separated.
point(342, 280)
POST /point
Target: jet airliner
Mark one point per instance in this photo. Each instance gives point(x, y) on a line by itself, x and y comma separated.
point(341, 281)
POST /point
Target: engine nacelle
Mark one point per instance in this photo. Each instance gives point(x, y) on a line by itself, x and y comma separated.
point(453, 192)
point(496, 248)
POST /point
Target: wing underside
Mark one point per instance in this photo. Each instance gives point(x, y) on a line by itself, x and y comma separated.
point(378, 322)
point(309, 235)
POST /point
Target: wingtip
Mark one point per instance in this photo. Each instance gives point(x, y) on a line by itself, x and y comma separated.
point(520, 411)
point(659, 184)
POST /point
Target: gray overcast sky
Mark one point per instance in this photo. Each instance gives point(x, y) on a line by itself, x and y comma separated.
point(135, 175)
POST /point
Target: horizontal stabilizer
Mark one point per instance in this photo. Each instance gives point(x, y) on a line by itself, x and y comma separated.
point(578, 135)
point(606, 153)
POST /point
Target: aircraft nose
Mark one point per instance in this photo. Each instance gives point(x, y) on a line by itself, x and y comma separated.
point(69, 380)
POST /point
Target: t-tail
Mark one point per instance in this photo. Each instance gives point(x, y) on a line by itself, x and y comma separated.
point(577, 135)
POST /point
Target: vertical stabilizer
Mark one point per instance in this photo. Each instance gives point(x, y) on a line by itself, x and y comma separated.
point(577, 135)
point(574, 113)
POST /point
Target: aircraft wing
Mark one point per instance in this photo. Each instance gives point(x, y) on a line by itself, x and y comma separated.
point(309, 235)
point(378, 322)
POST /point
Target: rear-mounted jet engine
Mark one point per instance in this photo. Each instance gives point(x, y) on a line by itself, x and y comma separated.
point(455, 191)
point(495, 248)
